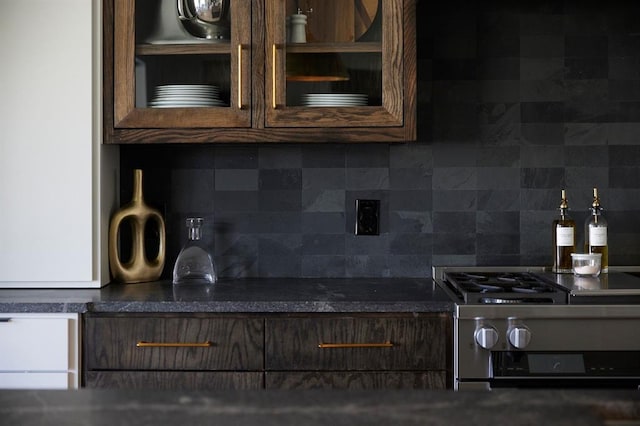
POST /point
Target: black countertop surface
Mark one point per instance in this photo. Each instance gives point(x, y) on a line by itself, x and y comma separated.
point(311, 408)
point(243, 295)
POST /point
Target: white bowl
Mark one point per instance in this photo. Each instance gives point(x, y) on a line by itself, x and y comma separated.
point(586, 264)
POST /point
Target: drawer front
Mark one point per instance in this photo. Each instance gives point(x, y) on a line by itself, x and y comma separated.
point(173, 343)
point(34, 344)
point(356, 380)
point(353, 343)
point(174, 380)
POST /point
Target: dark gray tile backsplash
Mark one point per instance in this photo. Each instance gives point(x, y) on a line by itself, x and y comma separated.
point(516, 100)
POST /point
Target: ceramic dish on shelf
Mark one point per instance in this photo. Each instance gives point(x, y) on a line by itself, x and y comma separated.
point(336, 95)
point(334, 99)
point(188, 86)
point(186, 90)
point(186, 96)
point(334, 103)
point(184, 104)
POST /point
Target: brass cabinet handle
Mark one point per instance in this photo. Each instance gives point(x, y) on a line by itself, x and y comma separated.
point(240, 76)
point(143, 344)
point(273, 74)
point(386, 344)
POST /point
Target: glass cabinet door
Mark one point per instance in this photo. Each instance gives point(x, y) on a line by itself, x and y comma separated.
point(334, 63)
point(182, 63)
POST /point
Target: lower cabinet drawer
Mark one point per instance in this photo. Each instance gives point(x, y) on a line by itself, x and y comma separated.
point(174, 380)
point(251, 351)
point(147, 342)
point(34, 344)
point(356, 343)
point(39, 350)
point(356, 380)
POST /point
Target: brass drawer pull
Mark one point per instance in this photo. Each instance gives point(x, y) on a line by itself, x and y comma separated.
point(386, 344)
point(273, 75)
point(142, 344)
point(240, 76)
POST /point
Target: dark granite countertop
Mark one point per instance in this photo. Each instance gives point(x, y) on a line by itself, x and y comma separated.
point(311, 408)
point(287, 295)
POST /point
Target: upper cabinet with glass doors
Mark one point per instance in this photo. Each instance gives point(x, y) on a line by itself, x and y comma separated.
point(259, 71)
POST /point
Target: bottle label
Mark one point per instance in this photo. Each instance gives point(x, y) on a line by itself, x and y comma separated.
point(598, 236)
point(564, 236)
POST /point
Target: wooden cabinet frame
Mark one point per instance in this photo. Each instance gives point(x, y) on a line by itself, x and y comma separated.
point(253, 119)
point(391, 112)
point(126, 115)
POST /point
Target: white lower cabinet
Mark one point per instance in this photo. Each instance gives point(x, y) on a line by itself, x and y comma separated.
point(39, 351)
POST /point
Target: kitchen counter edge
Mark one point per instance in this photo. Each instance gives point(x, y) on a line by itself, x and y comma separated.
point(377, 295)
point(127, 407)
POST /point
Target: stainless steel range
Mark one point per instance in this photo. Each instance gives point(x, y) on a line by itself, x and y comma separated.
point(527, 327)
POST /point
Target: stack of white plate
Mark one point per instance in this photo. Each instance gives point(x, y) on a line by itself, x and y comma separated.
point(186, 96)
point(334, 99)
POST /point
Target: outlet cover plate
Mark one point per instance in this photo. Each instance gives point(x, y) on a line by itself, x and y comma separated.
point(367, 217)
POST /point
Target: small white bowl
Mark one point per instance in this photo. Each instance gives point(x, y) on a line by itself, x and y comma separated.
point(586, 264)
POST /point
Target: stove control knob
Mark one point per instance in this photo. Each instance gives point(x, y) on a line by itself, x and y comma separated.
point(519, 336)
point(486, 337)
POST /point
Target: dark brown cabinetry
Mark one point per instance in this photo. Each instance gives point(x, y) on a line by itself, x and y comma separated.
point(353, 79)
point(357, 352)
point(173, 351)
point(279, 351)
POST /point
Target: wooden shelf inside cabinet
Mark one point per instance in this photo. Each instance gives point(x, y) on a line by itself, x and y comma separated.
point(367, 47)
point(183, 49)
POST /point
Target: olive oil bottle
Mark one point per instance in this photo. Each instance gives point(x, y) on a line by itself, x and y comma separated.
point(564, 238)
point(595, 232)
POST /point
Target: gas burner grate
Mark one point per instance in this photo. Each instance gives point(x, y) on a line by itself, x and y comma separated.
point(507, 287)
point(502, 283)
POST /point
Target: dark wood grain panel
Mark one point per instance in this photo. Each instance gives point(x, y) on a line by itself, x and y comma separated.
point(356, 380)
point(410, 71)
point(364, 47)
point(258, 70)
point(418, 343)
point(110, 343)
point(343, 117)
point(108, 59)
point(183, 49)
point(272, 135)
point(393, 59)
point(124, 60)
point(173, 380)
point(252, 351)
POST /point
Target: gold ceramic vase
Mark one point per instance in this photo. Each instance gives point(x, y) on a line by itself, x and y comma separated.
point(137, 213)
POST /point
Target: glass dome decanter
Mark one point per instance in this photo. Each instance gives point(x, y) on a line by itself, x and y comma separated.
point(194, 264)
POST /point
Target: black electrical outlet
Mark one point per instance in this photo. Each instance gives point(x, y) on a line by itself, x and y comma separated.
point(367, 217)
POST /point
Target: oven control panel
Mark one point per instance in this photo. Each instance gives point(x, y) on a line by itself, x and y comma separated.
point(487, 336)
